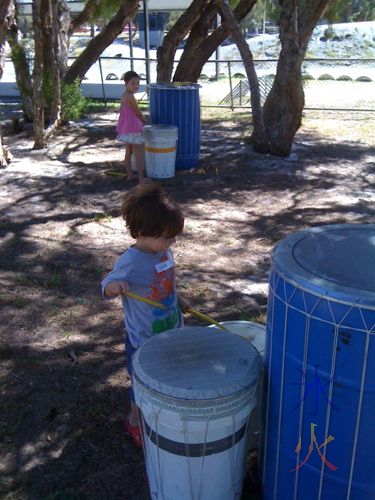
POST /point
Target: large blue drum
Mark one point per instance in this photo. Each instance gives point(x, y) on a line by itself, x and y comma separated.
point(318, 437)
point(178, 104)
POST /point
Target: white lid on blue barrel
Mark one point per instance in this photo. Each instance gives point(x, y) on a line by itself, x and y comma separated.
point(197, 363)
point(337, 261)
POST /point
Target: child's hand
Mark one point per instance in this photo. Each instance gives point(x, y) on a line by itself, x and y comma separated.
point(116, 288)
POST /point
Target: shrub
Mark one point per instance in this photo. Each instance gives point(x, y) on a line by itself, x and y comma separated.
point(73, 104)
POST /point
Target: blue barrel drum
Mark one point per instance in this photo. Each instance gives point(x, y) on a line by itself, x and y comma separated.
point(318, 436)
point(178, 104)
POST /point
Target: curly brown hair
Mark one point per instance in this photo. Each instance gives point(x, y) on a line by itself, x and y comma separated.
point(148, 211)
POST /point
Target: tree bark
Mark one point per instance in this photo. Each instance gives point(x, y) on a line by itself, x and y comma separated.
point(54, 29)
point(167, 51)
point(6, 13)
point(282, 110)
point(197, 35)
point(38, 99)
point(95, 47)
point(64, 23)
point(190, 67)
point(84, 16)
point(259, 135)
point(9, 25)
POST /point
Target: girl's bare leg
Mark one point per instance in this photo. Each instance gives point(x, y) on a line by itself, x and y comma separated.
point(127, 161)
point(139, 153)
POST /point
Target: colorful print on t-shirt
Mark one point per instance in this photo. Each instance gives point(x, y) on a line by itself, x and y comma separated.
point(162, 290)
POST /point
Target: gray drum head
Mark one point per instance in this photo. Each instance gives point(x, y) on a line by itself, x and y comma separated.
point(197, 363)
point(337, 261)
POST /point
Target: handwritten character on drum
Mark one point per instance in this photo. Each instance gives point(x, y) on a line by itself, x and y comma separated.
point(318, 388)
point(311, 447)
point(147, 270)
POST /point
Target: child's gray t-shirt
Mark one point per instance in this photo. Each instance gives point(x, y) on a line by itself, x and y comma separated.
point(150, 275)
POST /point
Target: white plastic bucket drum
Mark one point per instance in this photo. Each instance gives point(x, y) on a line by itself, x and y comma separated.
point(160, 150)
point(253, 332)
point(196, 389)
point(256, 335)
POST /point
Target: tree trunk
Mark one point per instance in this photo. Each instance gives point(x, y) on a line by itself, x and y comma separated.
point(166, 52)
point(282, 111)
point(9, 25)
point(56, 74)
point(6, 13)
point(190, 66)
point(259, 135)
point(51, 59)
point(96, 46)
point(64, 23)
point(198, 34)
point(38, 99)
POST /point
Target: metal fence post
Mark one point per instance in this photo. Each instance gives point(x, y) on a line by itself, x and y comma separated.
point(217, 52)
point(230, 85)
point(102, 80)
point(131, 46)
point(147, 39)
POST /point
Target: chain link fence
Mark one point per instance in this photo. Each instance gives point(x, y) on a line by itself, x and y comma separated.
point(329, 84)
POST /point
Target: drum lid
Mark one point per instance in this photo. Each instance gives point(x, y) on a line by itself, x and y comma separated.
point(337, 261)
point(175, 86)
point(197, 363)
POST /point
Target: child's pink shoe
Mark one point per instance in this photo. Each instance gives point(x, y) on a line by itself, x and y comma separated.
point(135, 433)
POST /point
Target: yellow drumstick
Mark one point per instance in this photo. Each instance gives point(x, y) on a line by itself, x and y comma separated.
point(204, 317)
point(146, 301)
point(190, 310)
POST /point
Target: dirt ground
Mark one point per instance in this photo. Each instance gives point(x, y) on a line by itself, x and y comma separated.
point(63, 377)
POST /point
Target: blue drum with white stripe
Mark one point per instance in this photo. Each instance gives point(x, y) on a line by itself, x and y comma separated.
point(318, 439)
point(178, 104)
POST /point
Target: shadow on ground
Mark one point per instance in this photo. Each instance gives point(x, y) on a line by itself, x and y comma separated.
point(63, 376)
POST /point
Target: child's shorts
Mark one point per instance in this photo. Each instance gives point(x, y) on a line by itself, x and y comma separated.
point(129, 353)
point(131, 138)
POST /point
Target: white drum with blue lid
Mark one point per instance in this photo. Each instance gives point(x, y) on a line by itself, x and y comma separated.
point(320, 366)
point(196, 388)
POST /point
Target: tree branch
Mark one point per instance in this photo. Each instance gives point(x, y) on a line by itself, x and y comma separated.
point(94, 48)
point(231, 24)
point(167, 51)
point(84, 16)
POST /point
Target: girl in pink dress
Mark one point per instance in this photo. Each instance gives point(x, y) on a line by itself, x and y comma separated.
point(130, 125)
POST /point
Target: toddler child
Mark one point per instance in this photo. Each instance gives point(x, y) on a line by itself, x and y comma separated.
point(147, 269)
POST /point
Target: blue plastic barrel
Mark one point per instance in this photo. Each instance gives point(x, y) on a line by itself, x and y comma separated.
point(320, 367)
point(178, 104)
